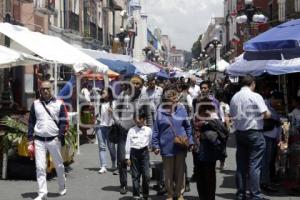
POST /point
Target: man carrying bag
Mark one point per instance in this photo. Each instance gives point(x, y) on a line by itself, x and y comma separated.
point(46, 129)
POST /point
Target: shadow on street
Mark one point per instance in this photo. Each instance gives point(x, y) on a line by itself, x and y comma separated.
point(226, 195)
point(32, 195)
point(228, 182)
point(92, 169)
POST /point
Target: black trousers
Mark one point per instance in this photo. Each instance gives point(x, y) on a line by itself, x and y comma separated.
point(140, 167)
point(205, 173)
point(122, 165)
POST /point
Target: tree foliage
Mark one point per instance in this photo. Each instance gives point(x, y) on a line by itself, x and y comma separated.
point(196, 49)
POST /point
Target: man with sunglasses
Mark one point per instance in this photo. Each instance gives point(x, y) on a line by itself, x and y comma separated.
point(46, 128)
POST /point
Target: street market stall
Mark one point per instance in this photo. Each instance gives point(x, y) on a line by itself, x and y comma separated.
point(55, 51)
point(277, 52)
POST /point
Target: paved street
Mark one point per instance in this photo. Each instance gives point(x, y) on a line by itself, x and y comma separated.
point(84, 182)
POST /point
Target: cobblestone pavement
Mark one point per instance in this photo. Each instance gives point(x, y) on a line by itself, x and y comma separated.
point(84, 182)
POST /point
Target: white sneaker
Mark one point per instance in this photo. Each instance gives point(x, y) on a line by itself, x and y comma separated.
point(62, 192)
point(102, 170)
point(41, 197)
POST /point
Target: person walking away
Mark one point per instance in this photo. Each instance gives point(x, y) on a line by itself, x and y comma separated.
point(194, 89)
point(104, 123)
point(185, 99)
point(137, 155)
point(154, 93)
point(211, 140)
point(248, 109)
point(130, 101)
point(225, 118)
point(86, 110)
point(272, 133)
point(171, 121)
point(48, 122)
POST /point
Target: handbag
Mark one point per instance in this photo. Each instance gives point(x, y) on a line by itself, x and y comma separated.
point(114, 133)
point(180, 140)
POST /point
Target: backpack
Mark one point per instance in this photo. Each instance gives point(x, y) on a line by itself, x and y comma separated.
point(221, 140)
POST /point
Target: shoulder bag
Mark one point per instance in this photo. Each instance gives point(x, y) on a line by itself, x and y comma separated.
point(62, 139)
point(180, 141)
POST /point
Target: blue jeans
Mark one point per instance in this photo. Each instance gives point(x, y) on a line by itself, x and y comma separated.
point(140, 167)
point(249, 154)
point(269, 155)
point(102, 136)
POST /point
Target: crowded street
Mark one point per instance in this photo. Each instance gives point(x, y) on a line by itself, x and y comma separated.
point(150, 99)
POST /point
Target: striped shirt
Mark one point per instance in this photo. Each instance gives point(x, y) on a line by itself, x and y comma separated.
point(246, 108)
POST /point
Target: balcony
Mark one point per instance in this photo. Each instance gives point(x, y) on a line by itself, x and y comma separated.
point(46, 7)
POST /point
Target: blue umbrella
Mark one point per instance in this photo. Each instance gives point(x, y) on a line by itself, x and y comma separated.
point(119, 66)
point(280, 42)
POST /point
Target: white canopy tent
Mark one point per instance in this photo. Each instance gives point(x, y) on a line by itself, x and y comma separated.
point(146, 68)
point(96, 54)
point(50, 48)
point(55, 50)
point(11, 58)
point(222, 65)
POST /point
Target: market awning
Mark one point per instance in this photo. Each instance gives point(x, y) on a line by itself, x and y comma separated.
point(242, 67)
point(11, 58)
point(122, 63)
point(50, 48)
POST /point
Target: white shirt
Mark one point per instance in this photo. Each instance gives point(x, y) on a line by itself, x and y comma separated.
point(224, 110)
point(105, 118)
point(246, 108)
point(137, 138)
point(295, 121)
point(154, 96)
point(86, 94)
point(194, 91)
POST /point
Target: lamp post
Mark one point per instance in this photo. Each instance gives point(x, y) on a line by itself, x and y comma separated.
point(216, 44)
point(249, 14)
point(202, 56)
point(123, 40)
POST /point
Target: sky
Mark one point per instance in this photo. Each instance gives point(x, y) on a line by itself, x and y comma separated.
point(182, 20)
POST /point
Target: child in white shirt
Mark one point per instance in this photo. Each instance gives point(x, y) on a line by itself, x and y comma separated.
point(137, 154)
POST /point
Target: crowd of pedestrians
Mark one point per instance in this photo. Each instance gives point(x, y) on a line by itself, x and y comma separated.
point(172, 118)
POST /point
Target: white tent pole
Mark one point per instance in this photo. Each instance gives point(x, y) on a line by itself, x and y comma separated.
point(105, 78)
point(55, 79)
point(78, 111)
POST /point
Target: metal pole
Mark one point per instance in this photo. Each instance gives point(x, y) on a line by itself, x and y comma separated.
point(55, 79)
point(78, 112)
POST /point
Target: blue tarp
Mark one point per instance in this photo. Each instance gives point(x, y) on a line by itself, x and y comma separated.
point(119, 66)
point(163, 74)
point(66, 92)
point(279, 42)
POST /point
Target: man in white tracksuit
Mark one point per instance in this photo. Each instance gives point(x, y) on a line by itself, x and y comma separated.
point(47, 125)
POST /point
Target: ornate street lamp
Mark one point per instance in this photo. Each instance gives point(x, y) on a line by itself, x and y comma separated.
point(202, 57)
point(215, 43)
point(250, 13)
